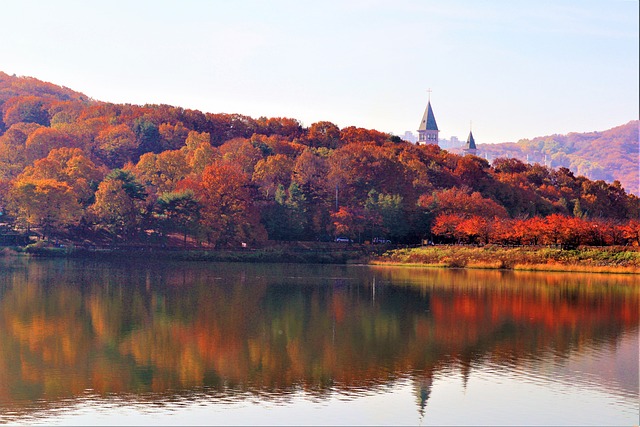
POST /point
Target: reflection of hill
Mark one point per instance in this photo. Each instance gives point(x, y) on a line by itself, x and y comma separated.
point(66, 327)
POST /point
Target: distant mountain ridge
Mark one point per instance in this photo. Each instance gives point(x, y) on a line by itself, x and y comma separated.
point(610, 155)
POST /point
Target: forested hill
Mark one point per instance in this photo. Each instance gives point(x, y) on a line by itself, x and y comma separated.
point(72, 167)
point(608, 155)
point(12, 86)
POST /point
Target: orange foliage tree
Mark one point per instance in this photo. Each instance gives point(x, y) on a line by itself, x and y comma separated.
point(116, 145)
point(68, 165)
point(228, 212)
point(46, 203)
point(118, 205)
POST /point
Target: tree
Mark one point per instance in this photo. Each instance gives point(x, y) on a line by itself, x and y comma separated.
point(26, 109)
point(503, 232)
point(274, 216)
point(387, 210)
point(241, 152)
point(352, 134)
point(180, 210)
point(116, 145)
point(462, 202)
point(147, 135)
point(285, 218)
point(163, 171)
point(631, 231)
point(349, 222)
point(13, 157)
point(173, 137)
point(358, 168)
point(273, 171)
point(296, 211)
point(509, 165)
point(532, 230)
point(444, 226)
point(41, 141)
point(118, 203)
point(473, 172)
point(323, 134)
point(474, 229)
point(310, 173)
point(68, 165)
point(65, 112)
point(564, 231)
point(46, 203)
point(553, 226)
point(279, 126)
point(198, 151)
point(228, 212)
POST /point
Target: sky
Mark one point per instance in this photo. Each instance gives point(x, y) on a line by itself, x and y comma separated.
point(510, 69)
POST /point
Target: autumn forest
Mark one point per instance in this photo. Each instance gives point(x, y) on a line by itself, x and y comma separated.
point(84, 171)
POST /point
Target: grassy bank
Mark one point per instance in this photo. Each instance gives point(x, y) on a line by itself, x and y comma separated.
point(602, 260)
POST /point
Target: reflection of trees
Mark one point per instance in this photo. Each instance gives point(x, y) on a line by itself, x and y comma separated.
point(66, 326)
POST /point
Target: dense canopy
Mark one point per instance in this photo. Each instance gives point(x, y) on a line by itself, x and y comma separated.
point(76, 168)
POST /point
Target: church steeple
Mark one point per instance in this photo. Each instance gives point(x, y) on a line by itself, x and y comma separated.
point(471, 143)
point(428, 130)
point(471, 148)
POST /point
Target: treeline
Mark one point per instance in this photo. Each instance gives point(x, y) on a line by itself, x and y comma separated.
point(75, 168)
point(554, 230)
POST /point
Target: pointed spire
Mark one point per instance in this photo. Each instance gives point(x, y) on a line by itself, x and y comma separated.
point(428, 130)
point(422, 386)
point(471, 143)
point(428, 119)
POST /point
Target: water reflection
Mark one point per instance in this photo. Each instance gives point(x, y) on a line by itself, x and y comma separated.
point(170, 333)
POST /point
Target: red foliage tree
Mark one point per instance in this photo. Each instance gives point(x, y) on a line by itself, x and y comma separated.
point(631, 231)
point(348, 222)
point(462, 202)
point(445, 225)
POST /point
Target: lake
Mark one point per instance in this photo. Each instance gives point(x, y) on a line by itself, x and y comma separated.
point(85, 342)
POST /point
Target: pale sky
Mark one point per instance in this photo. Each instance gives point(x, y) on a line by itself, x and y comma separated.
point(517, 69)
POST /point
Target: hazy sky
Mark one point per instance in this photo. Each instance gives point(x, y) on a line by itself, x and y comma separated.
point(517, 69)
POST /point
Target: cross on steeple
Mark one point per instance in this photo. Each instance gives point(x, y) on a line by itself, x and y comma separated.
point(428, 130)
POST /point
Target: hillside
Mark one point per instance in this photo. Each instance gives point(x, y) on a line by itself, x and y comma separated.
point(27, 98)
point(12, 86)
point(609, 155)
point(96, 172)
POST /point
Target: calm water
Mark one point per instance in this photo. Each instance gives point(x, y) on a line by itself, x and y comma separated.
point(83, 342)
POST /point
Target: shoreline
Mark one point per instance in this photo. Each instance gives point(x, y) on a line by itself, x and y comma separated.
point(615, 260)
point(524, 267)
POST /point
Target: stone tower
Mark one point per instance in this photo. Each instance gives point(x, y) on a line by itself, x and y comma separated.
point(428, 130)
